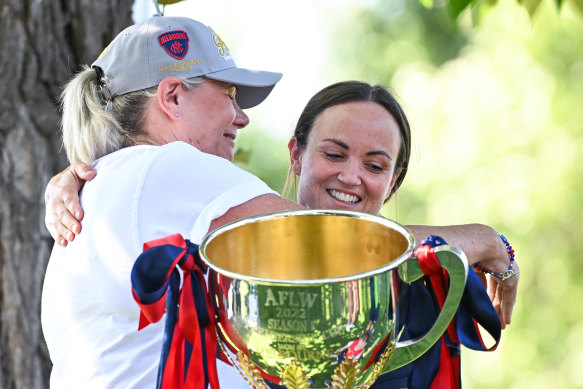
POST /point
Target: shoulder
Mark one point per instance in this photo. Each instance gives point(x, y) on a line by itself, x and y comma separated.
point(181, 152)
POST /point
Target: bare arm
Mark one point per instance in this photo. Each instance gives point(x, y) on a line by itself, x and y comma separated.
point(259, 205)
point(480, 242)
point(63, 212)
point(482, 245)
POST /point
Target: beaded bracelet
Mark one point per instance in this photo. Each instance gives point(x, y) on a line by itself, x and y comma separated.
point(506, 275)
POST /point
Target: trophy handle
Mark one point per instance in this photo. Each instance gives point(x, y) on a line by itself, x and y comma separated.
point(455, 262)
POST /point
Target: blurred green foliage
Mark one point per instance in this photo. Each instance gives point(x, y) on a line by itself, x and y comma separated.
point(496, 111)
point(164, 3)
point(478, 7)
point(269, 161)
point(366, 43)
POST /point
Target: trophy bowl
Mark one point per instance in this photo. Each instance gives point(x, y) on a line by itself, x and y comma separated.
point(306, 298)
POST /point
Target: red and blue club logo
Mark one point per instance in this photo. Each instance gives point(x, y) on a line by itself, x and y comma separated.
point(175, 43)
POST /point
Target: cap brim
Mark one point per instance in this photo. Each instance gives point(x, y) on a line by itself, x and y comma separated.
point(253, 85)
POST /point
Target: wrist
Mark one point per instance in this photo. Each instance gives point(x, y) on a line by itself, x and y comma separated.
point(505, 274)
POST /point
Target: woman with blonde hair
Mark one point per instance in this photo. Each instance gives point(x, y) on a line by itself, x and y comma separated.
point(156, 115)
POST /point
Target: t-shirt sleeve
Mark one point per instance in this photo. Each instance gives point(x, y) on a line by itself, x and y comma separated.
point(184, 190)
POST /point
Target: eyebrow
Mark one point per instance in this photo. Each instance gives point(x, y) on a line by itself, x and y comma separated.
point(346, 147)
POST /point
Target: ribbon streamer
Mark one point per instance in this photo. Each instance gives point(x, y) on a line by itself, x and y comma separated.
point(189, 348)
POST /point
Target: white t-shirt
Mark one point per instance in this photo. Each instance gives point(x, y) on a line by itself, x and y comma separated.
point(88, 314)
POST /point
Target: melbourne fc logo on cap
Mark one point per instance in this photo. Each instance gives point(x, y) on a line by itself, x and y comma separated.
point(175, 43)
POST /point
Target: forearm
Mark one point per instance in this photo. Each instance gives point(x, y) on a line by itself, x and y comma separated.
point(479, 242)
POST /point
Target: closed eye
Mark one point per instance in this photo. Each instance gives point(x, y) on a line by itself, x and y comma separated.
point(376, 168)
point(333, 156)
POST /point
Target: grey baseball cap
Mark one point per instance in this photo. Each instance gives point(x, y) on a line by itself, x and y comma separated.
point(142, 55)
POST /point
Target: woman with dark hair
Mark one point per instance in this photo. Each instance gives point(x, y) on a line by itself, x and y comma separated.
point(351, 92)
point(351, 150)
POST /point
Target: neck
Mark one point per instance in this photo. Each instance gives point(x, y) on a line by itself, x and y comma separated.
point(156, 130)
point(138, 140)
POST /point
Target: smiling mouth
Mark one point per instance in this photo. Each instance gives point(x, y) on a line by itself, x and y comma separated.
point(344, 197)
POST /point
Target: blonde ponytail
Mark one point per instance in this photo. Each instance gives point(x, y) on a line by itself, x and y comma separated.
point(92, 126)
point(89, 131)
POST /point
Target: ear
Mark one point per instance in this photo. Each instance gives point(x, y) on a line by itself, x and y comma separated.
point(392, 184)
point(295, 156)
point(169, 96)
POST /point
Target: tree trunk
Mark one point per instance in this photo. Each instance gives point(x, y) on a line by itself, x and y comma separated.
point(43, 42)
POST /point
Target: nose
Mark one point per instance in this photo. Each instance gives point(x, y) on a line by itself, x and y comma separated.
point(350, 174)
point(241, 118)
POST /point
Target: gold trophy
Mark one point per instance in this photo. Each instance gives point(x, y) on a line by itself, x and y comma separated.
point(306, 298)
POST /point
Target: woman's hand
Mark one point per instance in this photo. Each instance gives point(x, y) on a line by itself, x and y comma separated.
point(503, 296)
point(493, 256)
point(63, 212)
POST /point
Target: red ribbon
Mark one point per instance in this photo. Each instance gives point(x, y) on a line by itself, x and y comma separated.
point(448, 373)
point(439, 280)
